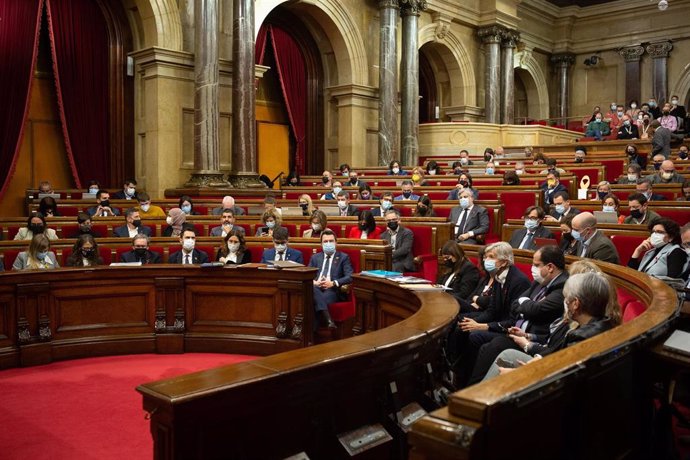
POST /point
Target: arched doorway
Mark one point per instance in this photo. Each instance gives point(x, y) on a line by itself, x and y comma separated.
point(428, 98)
point(527, 103)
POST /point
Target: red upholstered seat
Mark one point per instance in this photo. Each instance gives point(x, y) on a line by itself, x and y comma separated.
point(614, 168)
point(256, 253)
point(9, 255)
point(210, 252)
point(12, 231)
point(442, 212)
point(633, 310)
point(342, 311)
point(515, 203)
point(626, 244)
point(679, 215)
point(525, 268)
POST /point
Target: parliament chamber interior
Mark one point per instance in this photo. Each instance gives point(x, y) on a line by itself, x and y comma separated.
point(425, 229)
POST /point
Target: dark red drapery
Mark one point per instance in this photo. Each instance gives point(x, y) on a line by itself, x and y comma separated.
point(79, 42)
point(19, 27)
point(260, 46)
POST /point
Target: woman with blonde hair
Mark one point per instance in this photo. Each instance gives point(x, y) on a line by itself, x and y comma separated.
point(306, 204)
point(37, 257)
point(176, 220)
point(271, 220)
point(319, 223)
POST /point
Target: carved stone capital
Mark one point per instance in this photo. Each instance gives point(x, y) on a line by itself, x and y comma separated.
point(659, 50)
point(491, 34)
point(631, 53)
point(412, 7)
point(388, 4)
point(442, 25)
point(563, 59)
point(510, 38)
point(207, 179)
point(245, 180)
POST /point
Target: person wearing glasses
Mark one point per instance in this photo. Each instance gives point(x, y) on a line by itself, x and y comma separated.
point(661, 254)
point(401, 240)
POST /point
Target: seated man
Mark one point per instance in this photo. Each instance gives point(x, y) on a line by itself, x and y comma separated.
point(334, 271)
point(270, 204)
point(401, 240)
point(644, 186)
point(592, 243)
point(656, 162)
point(337, 188)
point(188, 255)
point(667, 174)
point(128, 192)
point(140, 252)
point(639, 214)
point(667, 120)
point(344, 206)
point(561, 208)
point(580, 154)
point(227, 223)
point(552, 186)
point(628, 129)
point(524, 238)
point(280, 250)
point(471, 221)
point(598, 128)
point(385, 203)
point(45, 188)
point(132, 226)
point(354, 180)
point(103, 209)
point(552, 166)
point(146, 209)
point(228, 203)
point(407, 194)
point(85, 227)
point(465, 158)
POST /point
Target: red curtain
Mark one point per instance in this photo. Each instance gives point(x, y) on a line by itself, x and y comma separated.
point(20, 23)
point(260, 45)
point(292, 74)
point(79, 41)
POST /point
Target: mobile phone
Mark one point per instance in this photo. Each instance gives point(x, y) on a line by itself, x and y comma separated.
point(503, 363)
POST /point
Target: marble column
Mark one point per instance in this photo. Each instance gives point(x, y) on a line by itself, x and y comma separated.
point(563, 63)
point(510, 38)
point(492, 37)
point(632, 56)
point(388, 81)
point(206, 113)
point(659, 53)
point(243, 173)
point(409, 129)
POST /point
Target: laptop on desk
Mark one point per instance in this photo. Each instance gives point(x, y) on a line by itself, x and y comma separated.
point(606, 217)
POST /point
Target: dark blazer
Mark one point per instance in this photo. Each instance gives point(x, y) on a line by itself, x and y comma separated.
point(77, 233)
point(661, 142)
point(403, 260)
point(563, 336)
point(600, 248)
point(245, 259)
point(413, 197)
point(92, 211)
point(218, 231)
point(624, 134)
point(464, 281)
point(477, 222)
point(73, 261)
point(519, 235)
point(294, 255)
point(499, 310)
point(453, 194)
point(198, 257)
point(123, 232)
point(122, 196)
point(376, 212)
point(549, 193)
point(351, 210)
point(341, 268)
point(482, 300)
point(151, 257)
point(571, 212)
point(544, 312)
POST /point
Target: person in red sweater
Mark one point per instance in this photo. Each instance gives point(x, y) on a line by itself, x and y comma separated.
point(366, 228)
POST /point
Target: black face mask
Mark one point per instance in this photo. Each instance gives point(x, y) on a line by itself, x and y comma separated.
point(407, 194)
point(636, 213)
point(448, 262)
point(85, 228)
point(353, 180)
point(487, 158)
point(464, 183)
point(657, 166)
point(88, 253)
point(304, 206)
point(682, 155)
point(579, 160)
point(137, 223)
point(362, 226)
point(105, 203)
point(422, 209)
point(392, 225)
point(325, 179)
point(140, 252)
point(36, 228)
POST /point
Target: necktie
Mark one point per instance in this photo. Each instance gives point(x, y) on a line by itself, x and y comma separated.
point(540, 294)
point(326, 269)
point(527, 241)
point(463, 221)
point(186, 259)
point(282, 256)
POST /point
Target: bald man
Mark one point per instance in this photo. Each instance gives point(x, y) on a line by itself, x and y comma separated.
point(667, 174)
point(228, 203)
point(592, 243)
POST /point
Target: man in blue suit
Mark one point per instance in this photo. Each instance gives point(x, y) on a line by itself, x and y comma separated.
point(280, 250)
point(334, 270)
point(132, 226)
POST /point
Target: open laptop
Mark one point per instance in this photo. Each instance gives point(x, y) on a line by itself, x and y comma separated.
point(52, 195)
point(330, 210)
point(606, 217)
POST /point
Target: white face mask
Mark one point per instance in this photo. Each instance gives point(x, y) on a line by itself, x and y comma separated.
point(632, 177)
point(188, 244)
point(131, 191)
point(233, 247)
point(316, 227)
point(169, 220)
point(536, 274)
point(280, 248)
point(342, 204)
point(657, 239)
point(145, 207)
point(395, 170)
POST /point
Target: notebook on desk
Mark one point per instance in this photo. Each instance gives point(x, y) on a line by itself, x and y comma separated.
point(678, 342)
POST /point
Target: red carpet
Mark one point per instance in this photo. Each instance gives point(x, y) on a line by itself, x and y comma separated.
point(87, 408)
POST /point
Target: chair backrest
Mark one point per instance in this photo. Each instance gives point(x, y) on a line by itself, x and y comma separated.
point(423, 240)
point(626, 244)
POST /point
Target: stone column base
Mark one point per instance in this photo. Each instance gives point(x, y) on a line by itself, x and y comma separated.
point(245, 180)
point(207, 179)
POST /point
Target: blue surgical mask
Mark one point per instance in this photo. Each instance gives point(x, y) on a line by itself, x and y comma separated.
point(576, 235)
point(41, 255)
point(386, 205)
point(531, 224)
point(608, 208)
point(489, 170)
point(490, 265)
point(337, 190)
point(186, 209)
point(270, 224)
point(560, 209)
point(93, 190)
point(328, 247)
point(464, 203)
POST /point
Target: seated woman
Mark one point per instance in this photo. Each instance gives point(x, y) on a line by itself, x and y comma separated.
point(306, 204)
point(635, 157)
point(634, 172)
point(603, 190)
point(319, 223)
point(511, 178)
point(568, 244)
point(418, 177)
point(364, 193)
point(424, 207)
point(611, 203)
point(394, 169)
point(234, 251)
point(35, 225)
point(48, 207)
point(84, 253)
point(586, 300)
point(176, 220)
point(293, 179)
point(37, 257)
point(271, 220)
point(366, 227)
point(187, 206)
point(433, 169)
point(457, 272)
point(661, 254)
point(464, 181)
point(482, 295)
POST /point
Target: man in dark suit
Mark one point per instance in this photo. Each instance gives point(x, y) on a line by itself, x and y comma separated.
point(592, 243)
point(188, 255)
point(354, 181)
point(471, 221)
point(227, 223)
point(385, 203)
point(280, 250)
point(228, 203)
point(407, 194)
point(524, 238)
point(661, 140)
point(132, 225)
point(645, 187)
point(103, 209)
point(532, 313)
point(334, 270)
point(128, 192)
point(85, 227)
point(344, 206)
point(401, 240)
point(561, 208)
point(140, 252)
point(552, 186)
